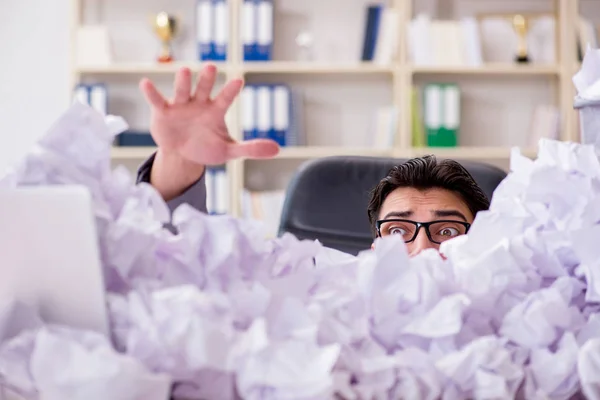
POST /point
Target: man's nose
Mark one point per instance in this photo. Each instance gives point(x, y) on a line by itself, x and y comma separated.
point(421, 243)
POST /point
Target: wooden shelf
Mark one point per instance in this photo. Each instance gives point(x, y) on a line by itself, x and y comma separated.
point(316, 152)
point(308, 152)
point(463, 153)
point(145, 68)
point(291, 67)
point(488, 69)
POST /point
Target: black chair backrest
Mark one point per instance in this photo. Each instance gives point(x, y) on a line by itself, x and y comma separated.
point(328, 197)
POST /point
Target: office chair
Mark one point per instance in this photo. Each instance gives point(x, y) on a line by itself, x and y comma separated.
point(327, 198)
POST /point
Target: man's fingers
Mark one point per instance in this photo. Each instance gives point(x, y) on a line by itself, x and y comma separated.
point(152, 95)
point(256, 148)
point(182, 86)
point(228, 94)
point(205, 84)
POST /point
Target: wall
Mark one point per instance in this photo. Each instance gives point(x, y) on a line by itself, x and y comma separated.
point(34, 71)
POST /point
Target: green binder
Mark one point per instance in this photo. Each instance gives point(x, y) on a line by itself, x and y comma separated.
point(441, 109)
point(418, 131)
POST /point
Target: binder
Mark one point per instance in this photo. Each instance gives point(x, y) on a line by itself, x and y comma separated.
point(249, 112)
point(264, 26)
point(82, 93)
point(281, 113)
point(94, 95)
point(418, 131)
point(98, 98)
point(371, 32)
point(222, 191)
point(296, 135)
point(432, 112)
point(204, 29)
point(264, 109)
point(210, 190)
point(249, 29)
point(448, 135)
point(220, 30)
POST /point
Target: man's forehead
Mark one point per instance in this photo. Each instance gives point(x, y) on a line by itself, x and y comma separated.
point(431, 201)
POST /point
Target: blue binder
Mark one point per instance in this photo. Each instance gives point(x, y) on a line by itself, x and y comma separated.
point(249, 29)
point(204, 29)
point(249, 113)
point(281, 98)
point(264, 37)
point(371, 31)
point(220, 18)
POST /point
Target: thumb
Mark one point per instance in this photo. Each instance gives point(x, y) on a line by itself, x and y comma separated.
point(256, 148)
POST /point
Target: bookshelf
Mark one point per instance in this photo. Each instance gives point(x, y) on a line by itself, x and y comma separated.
point(342, 90)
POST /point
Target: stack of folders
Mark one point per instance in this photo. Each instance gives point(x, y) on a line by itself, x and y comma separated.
point(217, 190)
point(441, 114)
point(380, 35)
point(212, 29)
point(257, 30)
point(94, 95)
point(272, 112)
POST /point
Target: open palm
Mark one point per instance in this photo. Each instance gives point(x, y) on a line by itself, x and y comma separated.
point(192, 125)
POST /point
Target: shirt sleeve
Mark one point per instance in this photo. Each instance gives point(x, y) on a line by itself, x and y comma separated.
point(195, 195)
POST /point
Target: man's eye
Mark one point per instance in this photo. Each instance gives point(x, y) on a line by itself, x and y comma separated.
point(397, 231)
point(449, 232)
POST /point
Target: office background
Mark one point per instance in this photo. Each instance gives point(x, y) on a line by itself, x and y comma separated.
point(349, 98)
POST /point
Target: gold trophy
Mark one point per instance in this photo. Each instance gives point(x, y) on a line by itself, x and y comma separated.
point(520, 25)
point(166, 27)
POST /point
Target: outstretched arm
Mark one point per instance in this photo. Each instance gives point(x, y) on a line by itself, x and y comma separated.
point(191, 188)
point(191, 133)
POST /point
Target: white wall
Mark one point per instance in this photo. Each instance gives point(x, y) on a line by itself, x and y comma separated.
point(34, 71)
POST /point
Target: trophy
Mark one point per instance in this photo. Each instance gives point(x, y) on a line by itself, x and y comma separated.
point(165, 27)
point(520, 25)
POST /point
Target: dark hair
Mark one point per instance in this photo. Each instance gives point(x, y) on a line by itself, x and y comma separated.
point(426, 173)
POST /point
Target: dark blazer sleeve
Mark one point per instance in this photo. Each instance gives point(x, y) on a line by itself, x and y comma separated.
point(195, 195)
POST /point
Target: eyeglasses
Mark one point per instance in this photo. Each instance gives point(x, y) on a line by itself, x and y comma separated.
point(437, 231)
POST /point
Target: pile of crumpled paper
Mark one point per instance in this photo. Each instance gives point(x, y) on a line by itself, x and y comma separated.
point(217, 312)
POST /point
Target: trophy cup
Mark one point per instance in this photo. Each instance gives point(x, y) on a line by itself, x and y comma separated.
point(520, 25)
point(165, 26)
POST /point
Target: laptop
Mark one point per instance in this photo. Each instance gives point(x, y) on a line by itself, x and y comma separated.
point(49, 255)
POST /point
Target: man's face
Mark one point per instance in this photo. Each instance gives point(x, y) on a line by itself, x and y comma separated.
point(403, 208)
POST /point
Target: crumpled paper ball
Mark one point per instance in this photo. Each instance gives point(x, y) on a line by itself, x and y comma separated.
point(214, 311)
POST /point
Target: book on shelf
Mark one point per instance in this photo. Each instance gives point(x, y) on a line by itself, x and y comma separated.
point(273, 112)
point(217, 190)
point(264, 206)
point(386, 126)
point(212, 29)
point(444, 42)
point(380, 39)
point(257, 30)
point(441, 111)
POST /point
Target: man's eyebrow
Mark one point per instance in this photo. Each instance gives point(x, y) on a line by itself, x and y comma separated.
point(449, 213)
point(398, 214)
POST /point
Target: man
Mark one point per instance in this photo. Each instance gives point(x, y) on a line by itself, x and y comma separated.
point(424, 201)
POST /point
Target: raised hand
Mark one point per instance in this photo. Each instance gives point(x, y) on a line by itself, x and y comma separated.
point(190, 130)
point(193, 125)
